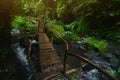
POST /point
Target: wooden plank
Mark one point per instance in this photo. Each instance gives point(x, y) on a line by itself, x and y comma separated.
point(49, 60)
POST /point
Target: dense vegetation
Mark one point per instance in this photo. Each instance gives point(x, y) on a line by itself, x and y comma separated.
point(70, 19)
point(98, 18)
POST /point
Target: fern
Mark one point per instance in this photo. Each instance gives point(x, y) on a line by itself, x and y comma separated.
point(77, 26)
point(55, 29)
point(72, 36)
point(114, 36)
point(22, 23)
point(101, 45)
point(115, 74)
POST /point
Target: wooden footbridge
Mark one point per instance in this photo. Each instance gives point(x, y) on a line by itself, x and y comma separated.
point(49, 61)
point(50, 64)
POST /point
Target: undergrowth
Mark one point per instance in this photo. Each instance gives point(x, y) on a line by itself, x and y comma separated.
point(22, 23)
point(100, 45)
point(54, 29)
point(72, 36)
point(115, 74)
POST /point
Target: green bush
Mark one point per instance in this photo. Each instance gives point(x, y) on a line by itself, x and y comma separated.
point(115, 74)
point(92, 43)
point(78, 26)
point(55, 29)
point(22, 23)
point(73, 78)
point(72, 36)
point(114, 34)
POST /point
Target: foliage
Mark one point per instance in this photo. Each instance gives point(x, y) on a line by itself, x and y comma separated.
point(73, 78)
point(60, 9)
point(79, 15)
point(72, 36)
point(77, 26)
point(26, 7)
point(55, 29)
point(114, 34)
point(22, 23)
point(69, 10)
point(115, 74)
point(92, 43)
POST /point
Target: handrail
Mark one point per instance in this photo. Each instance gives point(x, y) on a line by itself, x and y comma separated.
point(65, 56)
point(29, 60)
point(93, 64)
point(84, 59)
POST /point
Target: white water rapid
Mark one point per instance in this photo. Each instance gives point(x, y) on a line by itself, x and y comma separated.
point(22, 57)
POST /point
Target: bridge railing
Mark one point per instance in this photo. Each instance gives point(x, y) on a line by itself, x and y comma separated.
point(84, 60)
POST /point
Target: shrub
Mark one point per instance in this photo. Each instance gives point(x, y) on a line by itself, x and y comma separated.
point(92, 43)
point(78, 26)
point(22, 23)
point(114, 34)
point(115, 74)
point(72, 36)
point(55, 29)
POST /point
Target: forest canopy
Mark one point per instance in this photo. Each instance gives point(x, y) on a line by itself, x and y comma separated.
point(84, 16)
point(90, 23)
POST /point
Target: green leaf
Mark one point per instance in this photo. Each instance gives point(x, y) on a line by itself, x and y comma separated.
point(57, 30)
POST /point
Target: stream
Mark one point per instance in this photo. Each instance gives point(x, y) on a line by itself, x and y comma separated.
point(22, 57)
point(88, 72)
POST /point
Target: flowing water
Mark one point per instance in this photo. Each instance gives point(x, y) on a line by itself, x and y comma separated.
point(94, 74)
point(89, 73)
point(22, 57)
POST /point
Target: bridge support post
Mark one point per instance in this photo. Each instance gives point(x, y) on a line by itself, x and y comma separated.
point(65, 59)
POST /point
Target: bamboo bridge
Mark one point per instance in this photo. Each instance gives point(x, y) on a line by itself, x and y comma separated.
point(50, 64)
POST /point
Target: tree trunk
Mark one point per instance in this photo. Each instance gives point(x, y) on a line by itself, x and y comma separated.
point(5, 16)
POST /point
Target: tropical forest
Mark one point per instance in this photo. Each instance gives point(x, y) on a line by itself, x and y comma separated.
point(59, 39)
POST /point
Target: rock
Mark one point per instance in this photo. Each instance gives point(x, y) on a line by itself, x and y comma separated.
point(114, 62)
point(111, 58)
point(83, 46)
point(106, 55)
point(87, 67)
point(15, 32)
point(91, 54)
point(117, 52)
point(24, 42)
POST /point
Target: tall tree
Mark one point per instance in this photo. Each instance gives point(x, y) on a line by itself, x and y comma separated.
point(5, 15)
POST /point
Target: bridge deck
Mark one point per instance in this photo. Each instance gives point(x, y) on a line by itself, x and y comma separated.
point(49, 60)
